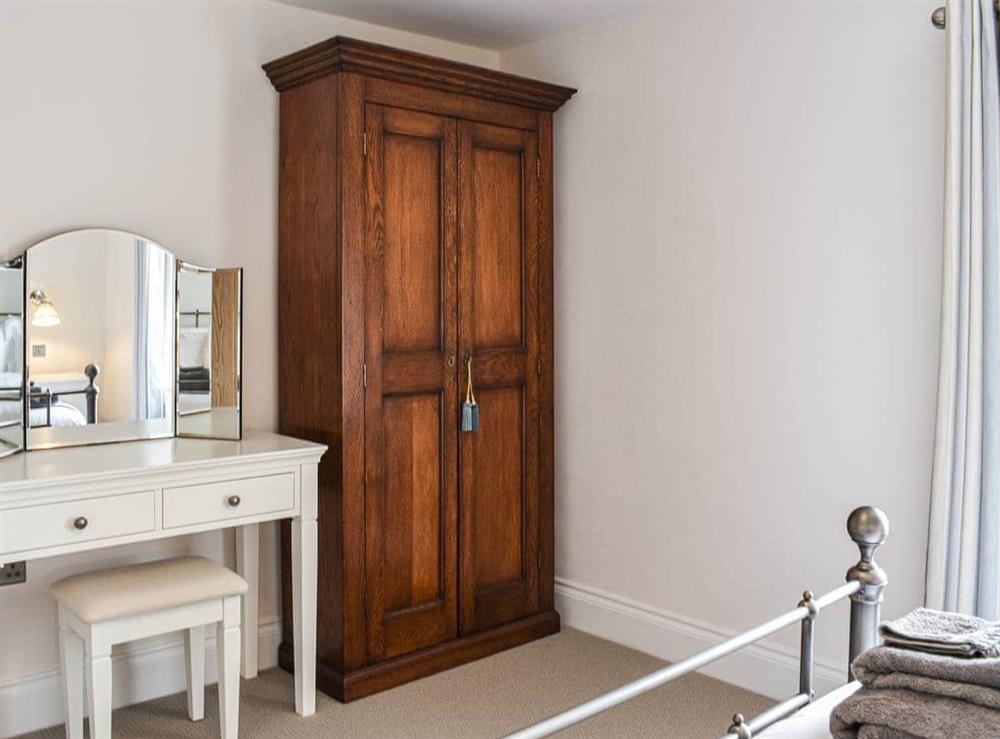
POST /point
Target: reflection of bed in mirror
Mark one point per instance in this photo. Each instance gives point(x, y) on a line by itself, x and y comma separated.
point(208, 350)
point(61, 399)
point(11, 356)
point(194, 373)
point(57, 399)
point(11, 402)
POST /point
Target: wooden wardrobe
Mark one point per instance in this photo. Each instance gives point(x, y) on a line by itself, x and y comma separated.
point(415, 241)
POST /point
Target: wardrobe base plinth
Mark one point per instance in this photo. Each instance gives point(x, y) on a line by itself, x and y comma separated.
point(349, 686)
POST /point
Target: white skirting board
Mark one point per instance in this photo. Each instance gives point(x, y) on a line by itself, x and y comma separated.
point(35, 702)
point(765, 668)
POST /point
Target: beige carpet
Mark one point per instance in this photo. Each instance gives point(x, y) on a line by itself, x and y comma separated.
point(487, 698)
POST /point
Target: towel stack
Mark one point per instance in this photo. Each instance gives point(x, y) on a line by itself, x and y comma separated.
point(938, 675)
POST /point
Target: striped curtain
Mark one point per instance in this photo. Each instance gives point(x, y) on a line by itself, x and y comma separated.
point(963, 562)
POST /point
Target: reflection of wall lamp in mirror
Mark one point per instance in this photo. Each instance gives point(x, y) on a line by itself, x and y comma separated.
point(45, 314)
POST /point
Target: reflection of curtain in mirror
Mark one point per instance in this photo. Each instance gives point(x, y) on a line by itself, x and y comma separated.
point(152, 313)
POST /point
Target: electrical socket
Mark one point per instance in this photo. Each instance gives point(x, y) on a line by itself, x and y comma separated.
point(38, 350)
point(13, 573)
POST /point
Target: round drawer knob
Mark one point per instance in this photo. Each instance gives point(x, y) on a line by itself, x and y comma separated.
point(80, 523)
point(233, 500)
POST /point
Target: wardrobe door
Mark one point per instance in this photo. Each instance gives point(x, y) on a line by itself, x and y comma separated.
point(499, 330)
point(411, 423)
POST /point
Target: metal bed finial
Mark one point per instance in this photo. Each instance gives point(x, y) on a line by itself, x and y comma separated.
point(868, 527)
point(91, 391)
point(740, 728)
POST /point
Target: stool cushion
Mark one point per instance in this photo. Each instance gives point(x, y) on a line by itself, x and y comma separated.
point(107, 595)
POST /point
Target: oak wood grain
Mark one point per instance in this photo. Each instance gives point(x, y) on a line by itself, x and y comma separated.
point(225, 337)
point(411, 238)
point(309, 387)
point(498, 328)
point(415, 97)
point(546, 373)
point(350, 153)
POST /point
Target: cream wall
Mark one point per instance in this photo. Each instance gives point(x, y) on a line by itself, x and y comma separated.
point(153, 117)
point(748, 224)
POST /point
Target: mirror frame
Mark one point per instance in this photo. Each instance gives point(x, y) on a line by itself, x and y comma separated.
point(21, 261)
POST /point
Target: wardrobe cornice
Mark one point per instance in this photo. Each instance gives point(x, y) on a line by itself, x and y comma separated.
point(342, 54)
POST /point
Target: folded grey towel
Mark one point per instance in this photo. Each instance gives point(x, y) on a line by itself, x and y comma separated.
point(894, 713)
point(944, 633)
point(973, 680)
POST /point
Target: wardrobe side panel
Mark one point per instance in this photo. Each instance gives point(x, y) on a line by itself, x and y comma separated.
point(350, 144)
point(546, 351)
point(309, 328)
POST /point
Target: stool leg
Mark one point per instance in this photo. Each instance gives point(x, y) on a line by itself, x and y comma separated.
point(99, 685)
point(194, 657)
point(227, 645)
point(71, 659)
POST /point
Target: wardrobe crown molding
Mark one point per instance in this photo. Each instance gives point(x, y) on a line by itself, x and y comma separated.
point(342, 54)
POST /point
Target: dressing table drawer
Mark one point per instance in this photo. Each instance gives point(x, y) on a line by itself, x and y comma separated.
point(217, 501)
point(59, 524)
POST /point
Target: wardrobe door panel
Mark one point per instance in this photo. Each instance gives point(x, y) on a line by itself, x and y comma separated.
point(498, 448)
point(410, 371)
point(412, 286)
point(498, 287)
point(412, 507)
point(499, 330)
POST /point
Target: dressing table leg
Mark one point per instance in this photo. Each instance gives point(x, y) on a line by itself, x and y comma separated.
point(247, 565)
point(227, 646)
point(71, 657)
point(304, 614)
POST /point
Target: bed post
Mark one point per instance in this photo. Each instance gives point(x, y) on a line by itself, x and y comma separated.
point(91, 391)
point(868, 527)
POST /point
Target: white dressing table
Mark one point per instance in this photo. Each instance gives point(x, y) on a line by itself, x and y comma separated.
point(67, 500)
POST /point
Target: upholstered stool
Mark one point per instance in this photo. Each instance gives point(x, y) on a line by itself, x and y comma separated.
point(100, 609)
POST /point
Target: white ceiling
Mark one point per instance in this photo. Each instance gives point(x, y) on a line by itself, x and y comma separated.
point(490, 24)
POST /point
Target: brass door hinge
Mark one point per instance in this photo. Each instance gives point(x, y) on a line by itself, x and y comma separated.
point(364, 375)
point(538, 167)
point(365, 144)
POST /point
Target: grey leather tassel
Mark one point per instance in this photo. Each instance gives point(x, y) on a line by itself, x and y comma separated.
point(470, 410)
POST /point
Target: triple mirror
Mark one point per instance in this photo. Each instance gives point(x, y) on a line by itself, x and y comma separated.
point(106, 336)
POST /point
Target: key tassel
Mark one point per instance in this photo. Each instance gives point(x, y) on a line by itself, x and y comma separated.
point(470, 410)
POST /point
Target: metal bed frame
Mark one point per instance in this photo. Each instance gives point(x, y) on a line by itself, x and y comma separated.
point(44, 398)
point(198, 314)
point(868, 527)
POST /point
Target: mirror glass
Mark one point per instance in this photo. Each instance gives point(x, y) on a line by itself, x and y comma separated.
point(11, 356)
point(99, 339)
point(209, 351)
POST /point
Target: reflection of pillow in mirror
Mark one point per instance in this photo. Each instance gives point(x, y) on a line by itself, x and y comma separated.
point(11, 344)
point(195, 347)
